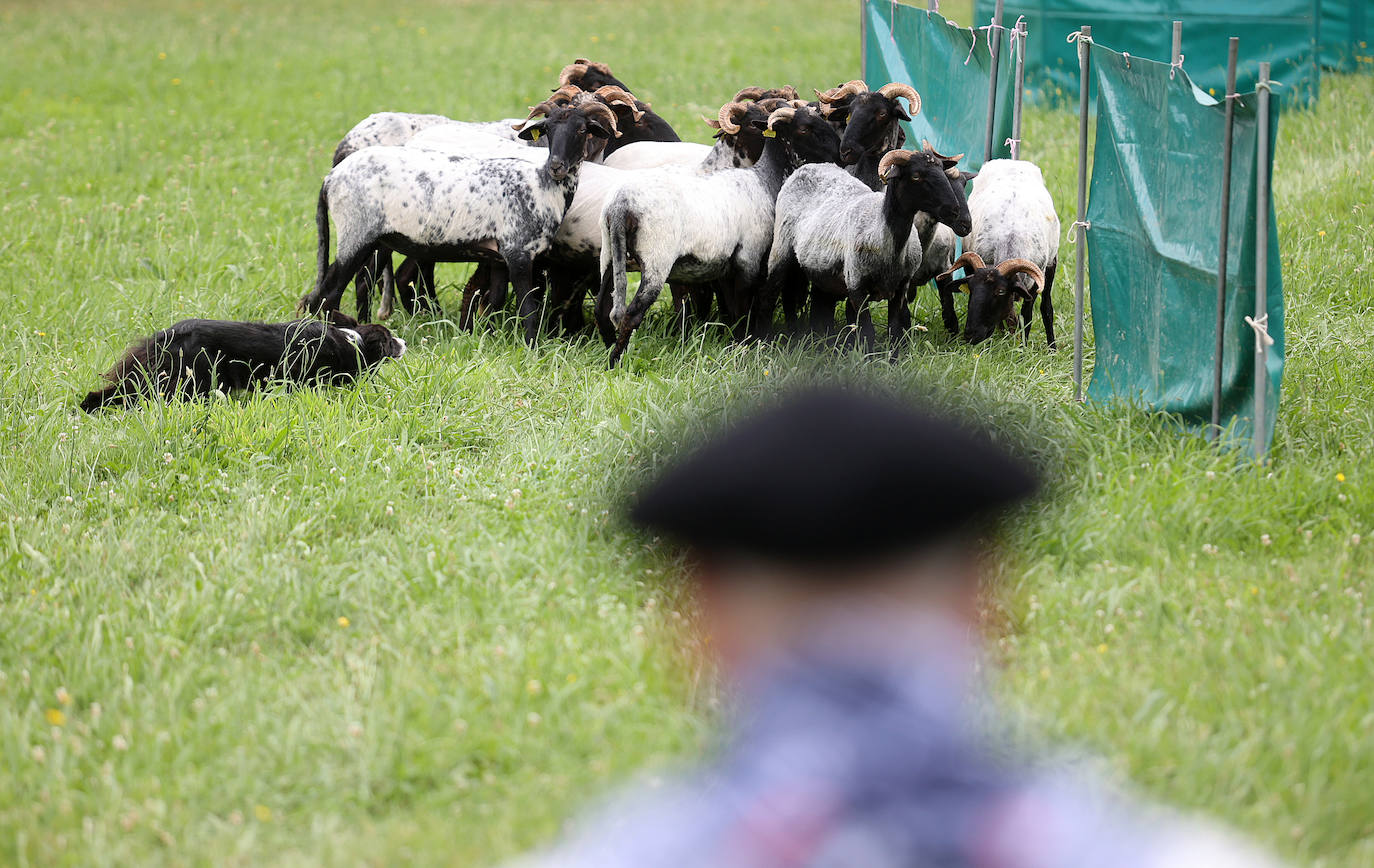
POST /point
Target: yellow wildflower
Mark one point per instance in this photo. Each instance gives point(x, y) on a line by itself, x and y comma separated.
point(343, 621)
point(55, 717)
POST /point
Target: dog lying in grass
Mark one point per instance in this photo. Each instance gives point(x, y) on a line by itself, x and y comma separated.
point(197, 356)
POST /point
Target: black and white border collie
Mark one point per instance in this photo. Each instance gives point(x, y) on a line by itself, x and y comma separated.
point(197, 356)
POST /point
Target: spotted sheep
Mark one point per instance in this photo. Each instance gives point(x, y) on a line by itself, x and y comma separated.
point(702, 228)
point(577, 246)
point(860, 245)
point(447, 207)
point(1013, 221)
point(397, 128)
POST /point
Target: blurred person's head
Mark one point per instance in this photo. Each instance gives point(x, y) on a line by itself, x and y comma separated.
point(834, 516)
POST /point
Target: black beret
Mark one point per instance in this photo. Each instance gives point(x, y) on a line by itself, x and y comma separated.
point(832, 475)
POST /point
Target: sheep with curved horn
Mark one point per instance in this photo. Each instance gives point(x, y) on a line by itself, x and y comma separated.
point(856, 244)
point(702, 228)
point(1013, 218)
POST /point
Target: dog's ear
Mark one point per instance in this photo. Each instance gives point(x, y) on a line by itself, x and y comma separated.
point(339, 319)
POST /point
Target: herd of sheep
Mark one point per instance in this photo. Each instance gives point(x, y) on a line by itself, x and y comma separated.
point(807, 203)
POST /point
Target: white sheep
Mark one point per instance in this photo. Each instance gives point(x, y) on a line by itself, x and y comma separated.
point(1013, 219)
point(702, 228)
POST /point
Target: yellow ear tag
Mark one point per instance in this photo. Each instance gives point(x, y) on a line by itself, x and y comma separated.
point(768, 134)
point(963, 287)
point(534, 134)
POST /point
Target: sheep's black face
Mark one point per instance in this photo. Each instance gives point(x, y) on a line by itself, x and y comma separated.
point(813, 140)
point(991, 301)
point(869, 122)
point(568, 131)
point(924, 184)
point(748, 142)
point(594, 78)
point(379, 344)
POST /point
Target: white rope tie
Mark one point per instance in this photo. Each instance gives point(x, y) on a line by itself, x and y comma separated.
point(929, 10)
point(1175, 66)
point(1236, 97)
point(1261, 327)
point(1015, 146)
point(1079, 36)
point(1127, 56)
point(987, 31)
point(1082, 226)
point(973, 46)
point(1268, 85)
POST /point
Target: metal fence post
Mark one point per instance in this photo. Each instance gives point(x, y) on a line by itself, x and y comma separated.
point(1215, 431)
point(1262, 340)
point(863, 39)
point(1176, 59)
point(1084, 70)
point(995, 44)
point(1019, 46)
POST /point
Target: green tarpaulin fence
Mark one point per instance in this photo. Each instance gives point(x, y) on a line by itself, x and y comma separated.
point(1345, 36)
point(1284, 32)
point(1154, 215)
point(949, 67)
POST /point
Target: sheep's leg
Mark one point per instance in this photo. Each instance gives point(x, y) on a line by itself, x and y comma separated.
point(898, 322)
point(947, 312)
point(1047, 307)
point(650, 287)
point(682, 305)
point(565, 300)
point(405, 280)
point(336, 280)
point(860, 320)
point(529, 299)
point(602, 312)
point(776, 283)
point(363, 282)
point(427, 290)
point(496, 290)
point(388, 291)
point(822, 313)
point(472, 292)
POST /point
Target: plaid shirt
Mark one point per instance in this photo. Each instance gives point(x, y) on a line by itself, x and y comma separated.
point(880, 761)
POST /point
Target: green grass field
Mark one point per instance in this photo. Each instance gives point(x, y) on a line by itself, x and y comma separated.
point(398, 623)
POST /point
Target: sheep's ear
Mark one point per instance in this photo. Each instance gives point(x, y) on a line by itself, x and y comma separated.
point(838, 114)
point(899, 111)
point(532, 132)
point(967, 176)
point(758, 124)
point(595, 128)
point(1020, 291)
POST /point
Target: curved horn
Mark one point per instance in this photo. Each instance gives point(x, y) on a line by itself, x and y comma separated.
point(1022, 266)
point(725, 120)
point(613, 95)
point(835, 94)
point(599, 67)
point(891, 159)
point(752, 93)
point(788, 92)
point(896, 89)
point(786, 113)
point(577, 68)
point(597, 108)
point(543, 108)
point(969, 259)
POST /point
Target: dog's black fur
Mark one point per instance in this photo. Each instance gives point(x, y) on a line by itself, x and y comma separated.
point(197, 356)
